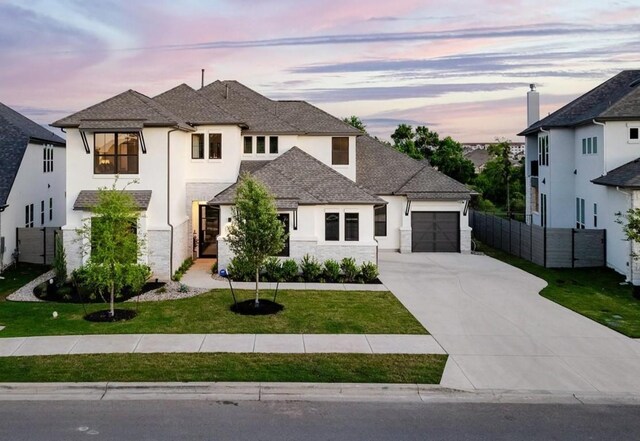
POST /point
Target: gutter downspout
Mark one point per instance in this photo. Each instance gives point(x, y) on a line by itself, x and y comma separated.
point(2, 208)
point(604, 147)
point(169, 200)
point(630, 242)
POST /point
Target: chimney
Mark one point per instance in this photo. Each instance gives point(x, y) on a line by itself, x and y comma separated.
point(533, 105)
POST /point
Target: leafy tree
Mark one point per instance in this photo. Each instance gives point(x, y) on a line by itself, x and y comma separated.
point(449, 159)
point(426, 141)
point(60, 262)
point(403, 141)
point(110, 240)
point(355, 122)
point(255, 233)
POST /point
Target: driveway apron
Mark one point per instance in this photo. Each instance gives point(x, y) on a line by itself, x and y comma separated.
point(501, 334)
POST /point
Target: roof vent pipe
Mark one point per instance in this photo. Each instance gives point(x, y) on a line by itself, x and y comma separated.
point(533, 105)
point(202, 80)
point(226, 91)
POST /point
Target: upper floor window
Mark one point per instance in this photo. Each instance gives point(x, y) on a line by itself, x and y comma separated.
point(543, 150)
point(580, 224)
point(47, 159)
point(215, 145)
point(590, 146)
point(115, 153)
point(380, 216)
point(41, 213)
point(28, 216)
point(248, 145)
point(634, 134)
point(331, 226)
point(273, 144)
point(197, 146)
point(260, 144)
point(595, 215)
point(340, 150)
point(50, 209)
point(543, 210)
point(352, 227)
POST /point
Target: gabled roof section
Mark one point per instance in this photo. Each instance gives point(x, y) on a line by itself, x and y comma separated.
point(87, 199)
point(386, 171)
point(298, 176)
point(16, 131)
point(312, 120)
point(127, 106)
point(616, 98)
point(193, 107)
point(626, 176)
point(258, 118)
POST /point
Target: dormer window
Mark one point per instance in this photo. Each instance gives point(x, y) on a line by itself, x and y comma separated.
point(115, 153)
point(340, 150)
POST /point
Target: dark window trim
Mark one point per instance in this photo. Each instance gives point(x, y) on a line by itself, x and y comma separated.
point(273, 146)
point(380, 226)
point(50, 209)
point(247, 144)
point(200, 146)
point(338, 152)
point(116, 155)
point(261, 145)
point(218, 148)
point(351, 235)
point(327, 236)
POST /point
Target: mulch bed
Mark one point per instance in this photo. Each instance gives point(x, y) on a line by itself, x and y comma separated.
point(249, 307)
point(69, 294)
point(119, 315)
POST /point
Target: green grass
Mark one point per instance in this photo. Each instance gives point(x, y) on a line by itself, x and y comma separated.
point(347, 368)
point(18, 276)
point(312, 312)
point(596, 293)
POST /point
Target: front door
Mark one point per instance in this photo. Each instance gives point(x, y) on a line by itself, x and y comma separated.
point(209, 231)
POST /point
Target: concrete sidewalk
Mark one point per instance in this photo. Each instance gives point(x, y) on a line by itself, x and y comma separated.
point(500, 333)
point(210, 343)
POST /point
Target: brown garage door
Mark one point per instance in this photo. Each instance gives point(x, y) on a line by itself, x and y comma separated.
point(435, 231)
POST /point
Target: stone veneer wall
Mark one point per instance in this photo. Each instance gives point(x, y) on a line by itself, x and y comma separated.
point(158, 250)
point(73, 249)
point(182, 243)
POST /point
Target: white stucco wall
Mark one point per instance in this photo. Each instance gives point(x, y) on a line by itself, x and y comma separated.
point(395, 214)
point(32, 186)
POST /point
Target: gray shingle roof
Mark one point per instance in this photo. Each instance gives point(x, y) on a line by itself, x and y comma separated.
point(87, 199)
point(616, 98)
point(127, 106)
point(298, 176)
point(251, 166)
point(386, 171)
point(193, 107)
point(627, 175)
point(312, 120)
point(16, 131)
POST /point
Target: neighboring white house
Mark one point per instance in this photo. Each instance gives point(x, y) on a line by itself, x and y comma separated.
point(582, 164)
point(32, 174)
point(340, 193)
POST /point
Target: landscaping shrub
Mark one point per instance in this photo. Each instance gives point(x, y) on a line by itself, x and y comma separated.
point(214, 268)
point(369, 272)
point(188, 263)
point(273, 270)
point(331, 271)
point(241, 270)
point(349, 269)
point(289, 270)
point(183, 288)
point(60, 263)
point(311, 268)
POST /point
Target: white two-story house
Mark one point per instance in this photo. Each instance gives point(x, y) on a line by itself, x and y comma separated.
point(32, 174)
point(339, 192)
point(582, 164)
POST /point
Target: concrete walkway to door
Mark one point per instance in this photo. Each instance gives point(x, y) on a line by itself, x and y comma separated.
point(501, 334)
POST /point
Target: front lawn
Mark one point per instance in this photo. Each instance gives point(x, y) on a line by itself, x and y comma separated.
point(19, 275)
point(311, 312)
point(596, 293)
point(338, 368)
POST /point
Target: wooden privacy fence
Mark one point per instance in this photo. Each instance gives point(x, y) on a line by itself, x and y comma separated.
point(548, 247)
point(37, 245)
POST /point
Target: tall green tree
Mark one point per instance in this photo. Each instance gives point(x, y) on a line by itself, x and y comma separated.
point(403, 141)
point(356, 122)
point(255, 232)
point(426, 141)
point(449, 159)
point(110, 240)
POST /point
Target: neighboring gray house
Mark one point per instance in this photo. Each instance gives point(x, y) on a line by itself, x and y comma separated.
point(32, 178)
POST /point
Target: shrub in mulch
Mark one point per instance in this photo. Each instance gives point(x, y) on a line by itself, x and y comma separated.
point(119, 315)
point(249, 307)
point(70, 293)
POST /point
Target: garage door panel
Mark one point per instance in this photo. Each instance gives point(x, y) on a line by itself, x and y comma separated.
point(435, 231)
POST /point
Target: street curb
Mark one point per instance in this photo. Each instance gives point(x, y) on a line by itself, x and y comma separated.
point(336, 392)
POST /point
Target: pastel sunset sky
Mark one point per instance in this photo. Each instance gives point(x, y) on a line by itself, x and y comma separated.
point(460, 67)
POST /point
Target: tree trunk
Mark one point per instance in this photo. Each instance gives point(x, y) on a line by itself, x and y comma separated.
point(257, 291)
point(112, 299)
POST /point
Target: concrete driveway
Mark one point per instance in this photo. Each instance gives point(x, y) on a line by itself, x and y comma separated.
point(501, 334)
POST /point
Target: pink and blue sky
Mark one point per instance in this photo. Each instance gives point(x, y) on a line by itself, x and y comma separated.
point(460, 67)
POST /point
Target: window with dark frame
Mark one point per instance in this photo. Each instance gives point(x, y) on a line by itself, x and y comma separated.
point(634, 133)
point(331, 226)
point(248, 145)
point(352, 227)
point(197, 146)
point(273, 144)
point(340, 150)
point(260, 144)
point(50, 209)
point(284, 218)
point(41, 213)
point(28, 216)
point(215, 145)
point(115, 153)
point(380, 220)
point(47, 159)
point(595, 215)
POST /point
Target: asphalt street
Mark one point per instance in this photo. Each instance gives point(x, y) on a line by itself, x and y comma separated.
point(209, 420)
